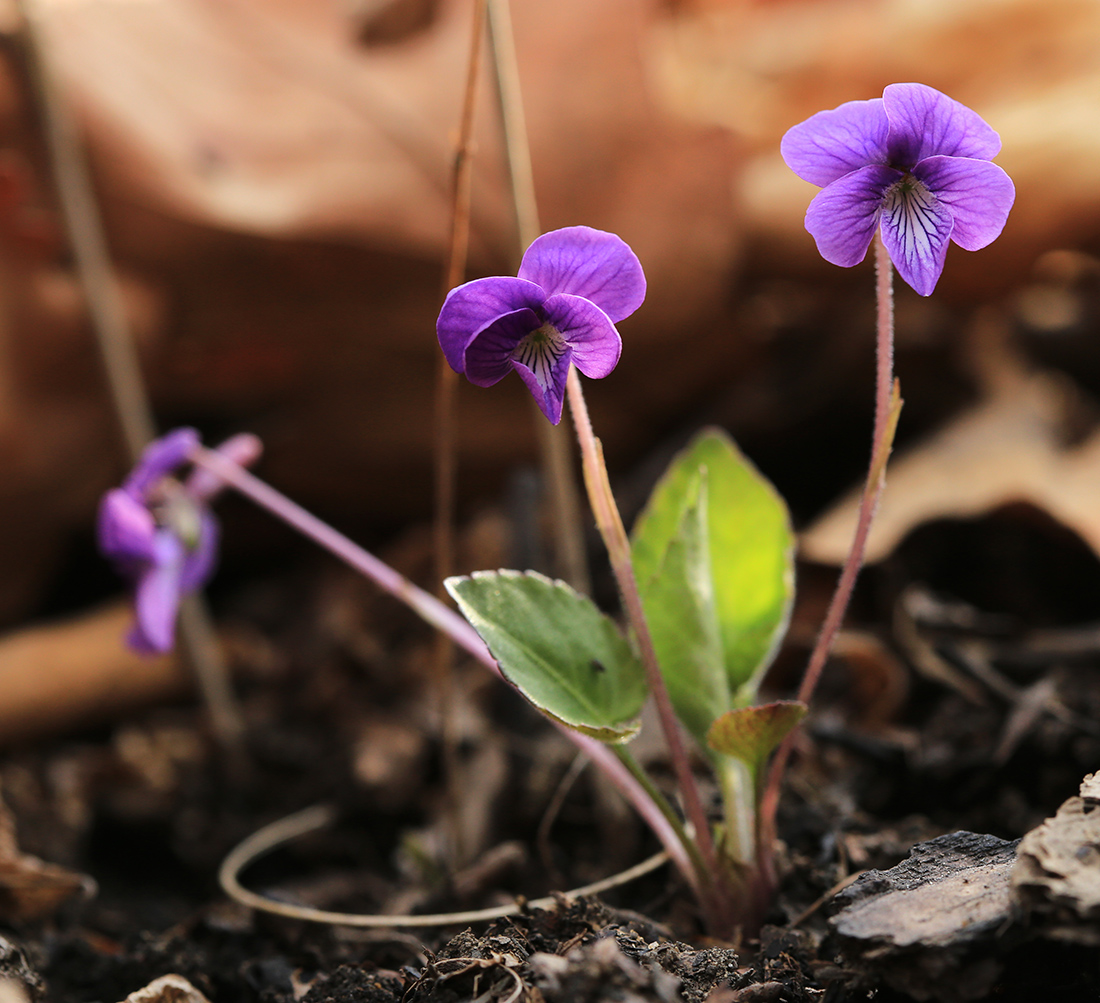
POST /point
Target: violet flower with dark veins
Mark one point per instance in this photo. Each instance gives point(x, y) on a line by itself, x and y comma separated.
point(161, 534)
point(913, 163)
point(573, 286)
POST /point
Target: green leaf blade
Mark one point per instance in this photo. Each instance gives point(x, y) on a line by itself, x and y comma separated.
point(680, 611)
point(751, 547)
point(553, 644)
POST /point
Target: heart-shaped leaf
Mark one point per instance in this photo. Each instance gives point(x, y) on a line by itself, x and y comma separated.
point(679, 608)
point(557, 649)
point(751, 552)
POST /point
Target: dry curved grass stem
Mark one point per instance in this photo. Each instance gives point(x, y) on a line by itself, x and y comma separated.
point(272, 836)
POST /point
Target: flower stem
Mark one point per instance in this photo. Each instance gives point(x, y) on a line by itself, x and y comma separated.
point(610, 525)
point(443, 619)
point(887, 408)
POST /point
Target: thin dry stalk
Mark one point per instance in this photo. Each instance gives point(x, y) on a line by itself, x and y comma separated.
point(555, 448)
point(455, 271)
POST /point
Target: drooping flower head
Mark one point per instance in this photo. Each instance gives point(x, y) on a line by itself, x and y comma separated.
point(161, 534)
point(573, 286)
point(914, 163)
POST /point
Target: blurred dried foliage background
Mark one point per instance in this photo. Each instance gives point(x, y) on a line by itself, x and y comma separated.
point(274, 175)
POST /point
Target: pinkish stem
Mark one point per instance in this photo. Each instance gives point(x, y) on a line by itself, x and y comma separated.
point(442, 618)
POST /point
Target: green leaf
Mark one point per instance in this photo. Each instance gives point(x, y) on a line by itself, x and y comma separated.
point(679, 608)
point(752, 733)
point(751, 552)
point(557, 649)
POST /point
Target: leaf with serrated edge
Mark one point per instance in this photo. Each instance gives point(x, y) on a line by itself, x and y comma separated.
point(752, 733)
point(553, 644)
point(751, 551)
point(679, 608)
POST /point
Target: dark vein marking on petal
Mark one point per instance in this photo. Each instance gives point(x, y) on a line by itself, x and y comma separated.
point(540, 352)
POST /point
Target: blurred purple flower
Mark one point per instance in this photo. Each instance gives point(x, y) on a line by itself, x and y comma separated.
point(573, 286)
point(161, 534)
point(914, 163)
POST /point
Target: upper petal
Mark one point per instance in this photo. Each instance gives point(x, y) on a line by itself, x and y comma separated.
point(161, 457)
point(843, 217)
point(488, 357)
point(469, 308)
point(926, 123)
point(125, 528)
point(157, 597)
point(588, 331)
point(833, 143)
point(978, 193)
point(594, 264)
point(916, 229)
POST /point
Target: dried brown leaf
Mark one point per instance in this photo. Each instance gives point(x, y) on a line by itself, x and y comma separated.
point(1057, 872)
point(31, 888)
point(1006, 449)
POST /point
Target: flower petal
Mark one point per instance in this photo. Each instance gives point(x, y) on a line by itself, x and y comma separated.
point(833, 143)
point(470, 308)
point(925, 123)
point(549, 395)
point(157, 597)
point(161, 457)
point(844, 216)
point(198, 564)
point(594, 264)
point(916, 229)
point(488, 357)
point(588, 331)
point(125, 528)
point(978, 193)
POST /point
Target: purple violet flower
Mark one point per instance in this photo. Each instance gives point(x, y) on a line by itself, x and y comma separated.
point(161, 534)
point(573, 286)
point(914, 163)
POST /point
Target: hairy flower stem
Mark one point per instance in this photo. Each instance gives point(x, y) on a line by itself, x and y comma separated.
point(610, 525)
point(442, 618)
point(887, 409)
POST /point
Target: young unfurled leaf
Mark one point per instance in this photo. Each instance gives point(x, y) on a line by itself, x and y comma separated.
point(751, 549)
point(752, 733)
point(557, 649)
point(679, 608)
